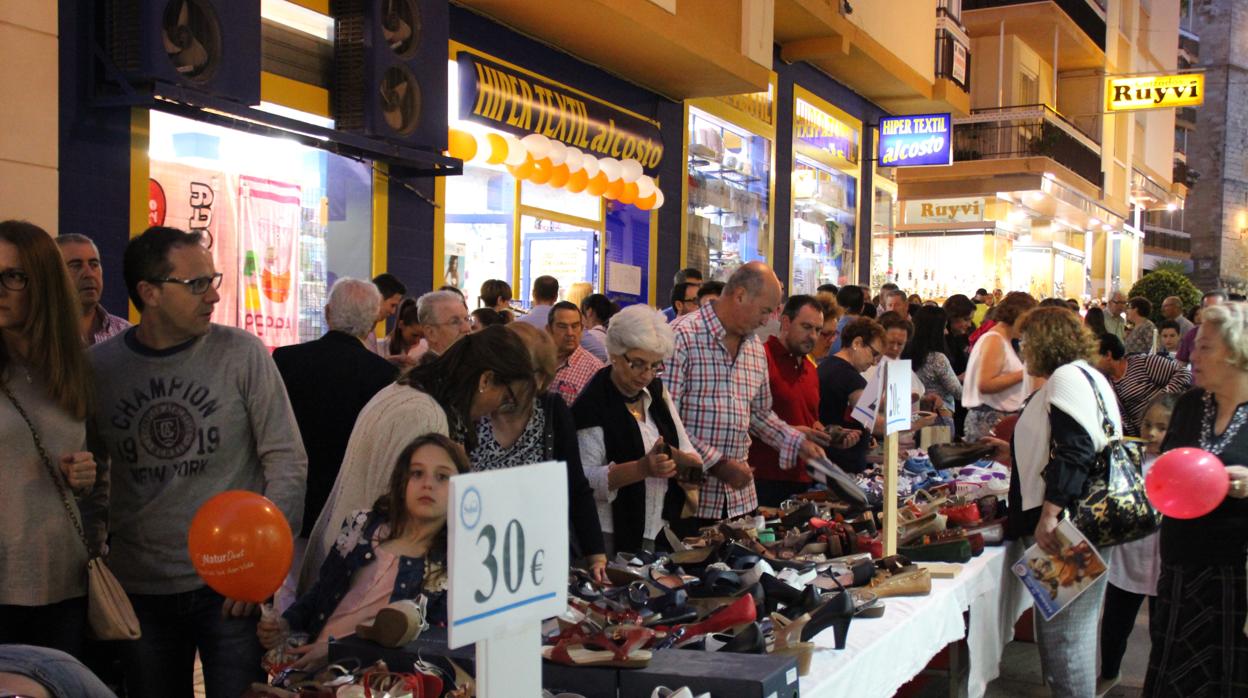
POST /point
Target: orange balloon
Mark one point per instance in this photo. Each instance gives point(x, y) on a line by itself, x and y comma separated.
point(541, 171)
point(597, 185)
point(614, 189)
point(461, 144)
point(646, 203)
point(578, 181)
point(629, 193)
point(522, 171)
point(559, 176)
point(241, 545)
point(498, 149)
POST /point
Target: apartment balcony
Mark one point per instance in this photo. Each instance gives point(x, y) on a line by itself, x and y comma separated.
point(1167, 242)
point(1025, 132)
point(1078, 26)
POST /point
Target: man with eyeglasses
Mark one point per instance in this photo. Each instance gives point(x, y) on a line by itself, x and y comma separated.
point(794, 384)
point(444, 318)
point(684, 298)
point(1115, 323)
point(576, 366)
point(83, 259)
point(187, 409)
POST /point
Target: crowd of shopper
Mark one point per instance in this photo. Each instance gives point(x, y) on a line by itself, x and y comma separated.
point(677, 418)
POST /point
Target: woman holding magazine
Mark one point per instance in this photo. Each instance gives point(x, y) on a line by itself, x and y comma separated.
point(1055, 445)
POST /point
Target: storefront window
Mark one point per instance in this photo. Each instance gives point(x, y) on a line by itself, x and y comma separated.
point(729, 195)
point(884, 219)
point(283, 220)
point(824, 225)
point(480, 207)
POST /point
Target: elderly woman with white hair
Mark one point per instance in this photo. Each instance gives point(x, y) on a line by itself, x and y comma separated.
point(1197, 626)
point(631, 438)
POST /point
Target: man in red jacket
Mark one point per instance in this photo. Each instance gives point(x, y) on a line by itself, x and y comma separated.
point(795, 399)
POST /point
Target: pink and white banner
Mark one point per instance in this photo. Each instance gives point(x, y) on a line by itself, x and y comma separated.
point(268, 230)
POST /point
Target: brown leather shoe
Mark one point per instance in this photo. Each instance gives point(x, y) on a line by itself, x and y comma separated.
point(909, 584)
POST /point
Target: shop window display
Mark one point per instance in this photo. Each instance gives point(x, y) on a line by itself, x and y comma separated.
point(824, 227)
point(937, 265)
point(480, 206)
point(283, 220)
point(729, 178)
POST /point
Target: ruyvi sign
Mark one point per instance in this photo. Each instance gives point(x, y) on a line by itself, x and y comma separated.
point(1154, 92)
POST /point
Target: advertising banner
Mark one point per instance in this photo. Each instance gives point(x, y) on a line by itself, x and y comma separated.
point(269, 224)
point(912, 141)
point(1154, 91)
point(510, 100)
point(197, 199)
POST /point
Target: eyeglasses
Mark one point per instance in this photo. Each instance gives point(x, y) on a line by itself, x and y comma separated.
point(455, 322)
point(14, 279)
point(875, 353)
point(827, 334)
point(197, 286)
point(640, 366)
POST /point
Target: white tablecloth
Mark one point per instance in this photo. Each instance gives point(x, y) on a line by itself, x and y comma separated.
point(883, 654)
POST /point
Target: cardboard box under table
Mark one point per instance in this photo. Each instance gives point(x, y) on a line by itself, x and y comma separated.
point(720, 674)
point(431, 647)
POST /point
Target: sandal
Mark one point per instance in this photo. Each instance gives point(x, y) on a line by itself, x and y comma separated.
point(618, 647)
point(396, 624)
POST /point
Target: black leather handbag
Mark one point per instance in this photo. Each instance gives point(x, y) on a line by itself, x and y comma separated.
point(1114, 508)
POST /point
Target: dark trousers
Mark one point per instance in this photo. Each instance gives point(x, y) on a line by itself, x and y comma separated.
point(61, 626)
point(161, 664)
point(772, 492)
point(1117, 621)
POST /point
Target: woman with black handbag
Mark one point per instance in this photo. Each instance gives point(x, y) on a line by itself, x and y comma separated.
point(1199, 648)
point(1057, 443)
point(44, 377)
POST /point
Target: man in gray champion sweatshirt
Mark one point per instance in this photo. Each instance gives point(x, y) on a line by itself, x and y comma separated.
point(187, 409)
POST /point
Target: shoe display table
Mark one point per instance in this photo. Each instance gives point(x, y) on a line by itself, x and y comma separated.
point(883, 654)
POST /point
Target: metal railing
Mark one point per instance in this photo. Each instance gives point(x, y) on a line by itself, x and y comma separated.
point(1026, 131)
point(1088, 14)
point(947, 48)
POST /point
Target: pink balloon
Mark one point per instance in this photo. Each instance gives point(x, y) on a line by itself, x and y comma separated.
point(1187, 483)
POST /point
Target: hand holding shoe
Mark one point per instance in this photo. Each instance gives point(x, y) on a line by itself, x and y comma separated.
point(656, 463)
point(735, 473)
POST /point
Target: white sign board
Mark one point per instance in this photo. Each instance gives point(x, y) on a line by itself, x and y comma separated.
point(936, 211)
point(624, 278)
point(897, 384)
point(508, 550)
point(866, 408)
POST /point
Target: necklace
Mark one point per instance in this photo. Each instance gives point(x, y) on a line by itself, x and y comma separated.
point(634, 405)
point(1208, 441)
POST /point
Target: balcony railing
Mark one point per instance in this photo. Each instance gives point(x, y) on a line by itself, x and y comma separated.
point(1026, 131)
point(1088, 14)
point(953, 59)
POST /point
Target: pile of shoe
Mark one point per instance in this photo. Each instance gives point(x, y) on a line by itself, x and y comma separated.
point(937, 526)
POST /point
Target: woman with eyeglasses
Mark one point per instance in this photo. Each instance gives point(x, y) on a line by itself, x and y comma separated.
point(841, 385)
point(48, 475)
point(478, 375)
point(631, 438)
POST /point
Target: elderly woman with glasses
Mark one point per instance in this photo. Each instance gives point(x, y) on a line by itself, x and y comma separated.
point(631, 437)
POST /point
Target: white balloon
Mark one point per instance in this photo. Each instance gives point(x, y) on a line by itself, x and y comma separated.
point(630, 170)
point(609, 167)
point(658, 198)
point(558, 153)
point(483, 147)
point(590, 162)
point(575, 160)
point(645, 186)
point(516, 152)
point(537, 145)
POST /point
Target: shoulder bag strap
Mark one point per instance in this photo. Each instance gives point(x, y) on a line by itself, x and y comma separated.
point(1106, 423)
point(70, 508)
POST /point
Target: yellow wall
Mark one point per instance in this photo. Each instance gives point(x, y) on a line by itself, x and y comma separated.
point(29, 180)
point(905, 27)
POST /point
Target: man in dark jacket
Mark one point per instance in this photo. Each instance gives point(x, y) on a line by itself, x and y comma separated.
point(329, 381)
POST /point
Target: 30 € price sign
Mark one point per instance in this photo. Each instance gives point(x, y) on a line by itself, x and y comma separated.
point(508, 550)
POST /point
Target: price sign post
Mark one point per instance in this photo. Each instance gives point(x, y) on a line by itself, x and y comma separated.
point(508, 561)
point(896, 389)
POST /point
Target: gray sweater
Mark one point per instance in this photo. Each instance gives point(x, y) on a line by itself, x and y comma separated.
point(42, 558)
point(181, 425)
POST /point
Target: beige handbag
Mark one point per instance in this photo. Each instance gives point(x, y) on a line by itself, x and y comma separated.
point(109, 612)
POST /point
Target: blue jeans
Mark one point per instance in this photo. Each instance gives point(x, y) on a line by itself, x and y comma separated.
point(62, 675)
point(162, 662)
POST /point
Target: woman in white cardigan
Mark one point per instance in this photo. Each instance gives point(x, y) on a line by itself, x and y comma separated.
point(1055, 446)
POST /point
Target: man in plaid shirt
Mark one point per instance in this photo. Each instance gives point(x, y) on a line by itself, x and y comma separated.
point(575, 364)
point(718, 380)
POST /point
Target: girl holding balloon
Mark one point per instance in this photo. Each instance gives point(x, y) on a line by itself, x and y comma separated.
point(1199, 648)
point(395, 551)
point(1134, 566)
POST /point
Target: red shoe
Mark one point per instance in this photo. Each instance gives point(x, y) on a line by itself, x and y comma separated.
point(739, 612)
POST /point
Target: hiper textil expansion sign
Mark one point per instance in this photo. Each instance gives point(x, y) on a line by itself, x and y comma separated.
point(919, 139)
point(1154, 91)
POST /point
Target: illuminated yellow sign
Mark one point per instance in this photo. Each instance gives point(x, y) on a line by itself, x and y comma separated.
point(1154, 92)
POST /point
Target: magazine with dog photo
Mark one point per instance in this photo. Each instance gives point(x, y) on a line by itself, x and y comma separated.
point(1056, 580)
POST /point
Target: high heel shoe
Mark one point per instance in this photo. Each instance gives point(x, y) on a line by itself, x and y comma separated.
point(788, 640)
point(739, 612)
point(749, 640)
point(836, 612)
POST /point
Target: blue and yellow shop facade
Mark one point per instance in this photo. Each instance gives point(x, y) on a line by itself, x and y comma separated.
point(779, 176)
